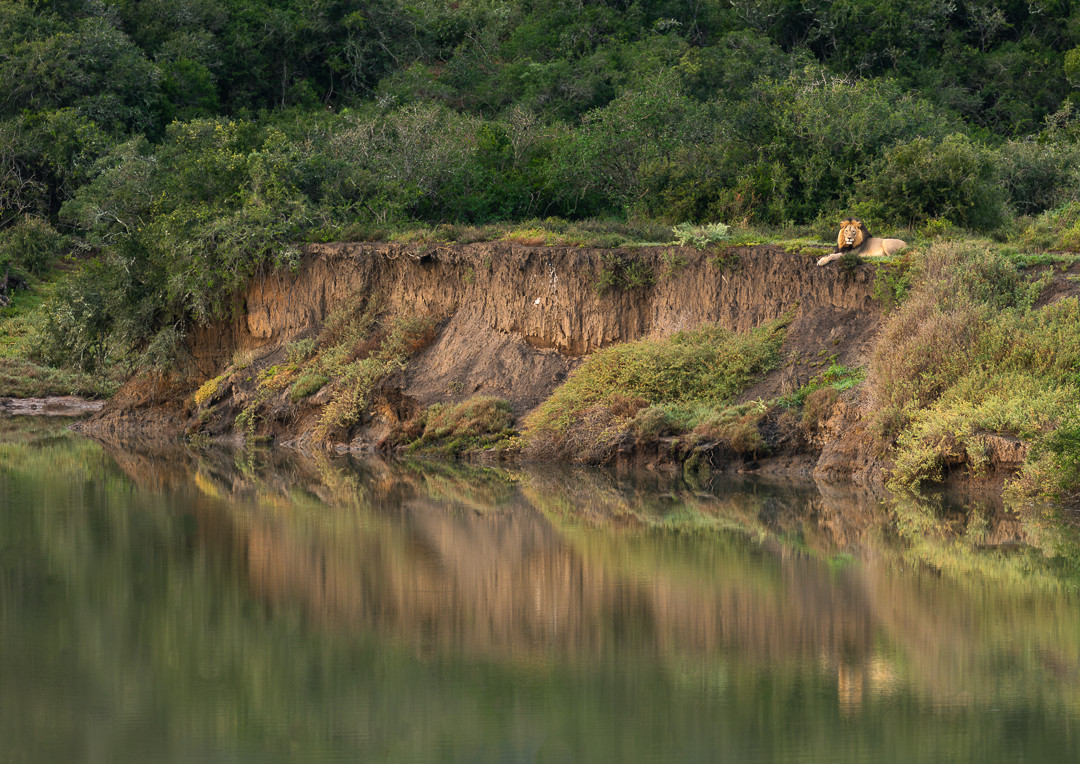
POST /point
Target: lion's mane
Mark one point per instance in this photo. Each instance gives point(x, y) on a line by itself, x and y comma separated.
point(853, 234)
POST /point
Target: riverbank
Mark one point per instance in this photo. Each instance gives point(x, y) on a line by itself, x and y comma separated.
point(748, 358)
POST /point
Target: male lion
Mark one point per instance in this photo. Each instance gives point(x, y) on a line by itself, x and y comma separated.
point(854, 237)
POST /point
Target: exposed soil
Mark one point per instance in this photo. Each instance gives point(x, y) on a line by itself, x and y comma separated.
point(513, 321)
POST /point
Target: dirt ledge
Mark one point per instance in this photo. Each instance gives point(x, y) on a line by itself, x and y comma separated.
point(514, 320)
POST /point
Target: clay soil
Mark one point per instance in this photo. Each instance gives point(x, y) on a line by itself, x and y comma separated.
point(512, 322)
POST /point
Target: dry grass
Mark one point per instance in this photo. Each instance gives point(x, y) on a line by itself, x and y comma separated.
point(737, 426)
point(817, 406)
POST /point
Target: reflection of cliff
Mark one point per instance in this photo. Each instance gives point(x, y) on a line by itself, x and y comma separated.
point(485, 569)
point(505, 583)
point(581, 566)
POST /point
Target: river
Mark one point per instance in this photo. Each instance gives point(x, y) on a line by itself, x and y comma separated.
point(166, 604)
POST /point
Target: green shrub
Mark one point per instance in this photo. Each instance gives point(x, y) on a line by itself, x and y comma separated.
point(970, 354)
point(622, 271)
point(31, 244)
point(1041, 174)
point(475, 423)
point(700, 236)
point(738, 427)
point(835, 377)
point(684, 377)
point(954, 178)
point(1057, 229)
point(651, 422)
point(307, 384)
point(299, 351)
point(892, 282)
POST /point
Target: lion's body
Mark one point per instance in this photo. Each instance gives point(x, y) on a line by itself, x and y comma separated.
point(854, 237)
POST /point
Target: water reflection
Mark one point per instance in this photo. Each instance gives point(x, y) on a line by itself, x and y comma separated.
point(162, 602)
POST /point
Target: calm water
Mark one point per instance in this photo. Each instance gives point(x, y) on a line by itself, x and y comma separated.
point(161, 604)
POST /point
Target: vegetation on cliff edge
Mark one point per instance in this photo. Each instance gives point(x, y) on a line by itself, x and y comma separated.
point(180, 147)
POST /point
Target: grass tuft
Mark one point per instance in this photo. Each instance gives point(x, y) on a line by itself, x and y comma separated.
point(690, 374)
point(453, 429)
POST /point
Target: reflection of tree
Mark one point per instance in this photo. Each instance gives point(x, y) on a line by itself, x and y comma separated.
point(280, 600)
point(581, 562)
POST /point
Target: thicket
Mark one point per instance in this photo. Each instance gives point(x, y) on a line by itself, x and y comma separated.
point(176, 147)
point(971, 355)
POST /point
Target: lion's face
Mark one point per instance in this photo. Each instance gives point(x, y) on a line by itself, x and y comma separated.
point(852, 234)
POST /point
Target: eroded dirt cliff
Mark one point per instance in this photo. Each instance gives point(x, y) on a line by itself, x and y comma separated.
point(509, 321)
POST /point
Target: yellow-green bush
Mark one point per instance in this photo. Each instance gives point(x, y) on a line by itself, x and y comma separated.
point(969, 355)
point(475, 423)
point(208, 390)
point(690, 373)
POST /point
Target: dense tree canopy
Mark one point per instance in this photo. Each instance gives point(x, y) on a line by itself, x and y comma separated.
point(184, 144)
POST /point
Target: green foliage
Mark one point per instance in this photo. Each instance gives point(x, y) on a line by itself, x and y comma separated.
point(969, 355)
point(836, 377)
point(700, 236)
point(622, 271)
point(1064, 444)
point(673, 263)
point(705, 367)
point(1072, 67)
point(725, 259)
point(1042, 172)
point(737, 426)
point(1057, 229)
point(86, 63)
point(23, 374)
point(452, 429)
point(307, 384)
point(80, 329)
point(850, 262)
point(299, 351)
point(31, 245)
point(892, 283)
point(952, 178)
